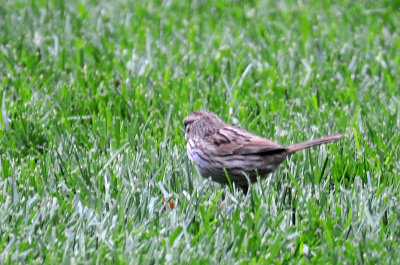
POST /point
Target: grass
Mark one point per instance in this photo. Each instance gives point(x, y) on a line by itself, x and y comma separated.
point(92, 151)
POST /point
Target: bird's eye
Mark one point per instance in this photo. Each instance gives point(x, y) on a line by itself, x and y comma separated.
point(186, 122)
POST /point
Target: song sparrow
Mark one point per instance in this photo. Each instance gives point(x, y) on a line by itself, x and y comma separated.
point(219, 148)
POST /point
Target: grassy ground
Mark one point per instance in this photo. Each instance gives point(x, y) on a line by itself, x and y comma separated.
point(93, 95)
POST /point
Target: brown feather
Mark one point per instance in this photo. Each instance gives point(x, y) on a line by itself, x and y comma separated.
point(300, 146)
point(228, 141)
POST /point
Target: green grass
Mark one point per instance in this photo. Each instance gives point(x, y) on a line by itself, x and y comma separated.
point(93, 95)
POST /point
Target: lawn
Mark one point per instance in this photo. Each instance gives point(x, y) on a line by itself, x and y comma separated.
point(93, 165)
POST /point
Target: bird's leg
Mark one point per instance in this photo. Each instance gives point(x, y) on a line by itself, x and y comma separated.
point(245, 189)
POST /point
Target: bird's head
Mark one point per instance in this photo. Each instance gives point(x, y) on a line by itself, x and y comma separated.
point(200, 123)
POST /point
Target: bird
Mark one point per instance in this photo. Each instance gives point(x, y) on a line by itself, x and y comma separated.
point(223, 151)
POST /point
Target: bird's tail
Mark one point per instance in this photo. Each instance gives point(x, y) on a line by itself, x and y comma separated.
point(300, 146)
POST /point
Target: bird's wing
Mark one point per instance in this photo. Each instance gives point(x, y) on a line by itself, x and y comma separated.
point(233, 141)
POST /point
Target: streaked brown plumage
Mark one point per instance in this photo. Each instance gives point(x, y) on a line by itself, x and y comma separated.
point(215, 145)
